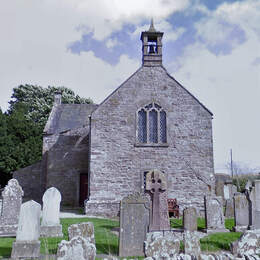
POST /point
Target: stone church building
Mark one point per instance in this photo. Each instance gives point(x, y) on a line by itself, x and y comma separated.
point(97, 154)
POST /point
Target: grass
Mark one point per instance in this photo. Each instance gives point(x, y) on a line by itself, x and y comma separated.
point(107, 243)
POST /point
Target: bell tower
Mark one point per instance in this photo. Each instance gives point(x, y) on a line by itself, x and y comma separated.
point(152, 47)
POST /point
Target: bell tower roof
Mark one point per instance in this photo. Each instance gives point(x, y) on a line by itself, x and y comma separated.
point(152, 46)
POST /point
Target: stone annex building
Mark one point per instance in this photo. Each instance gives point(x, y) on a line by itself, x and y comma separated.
point(101, 153)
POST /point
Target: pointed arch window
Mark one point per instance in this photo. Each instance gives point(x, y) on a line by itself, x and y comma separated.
point(151, 125)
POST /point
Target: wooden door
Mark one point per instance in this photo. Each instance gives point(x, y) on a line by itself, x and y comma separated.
point(83, 190)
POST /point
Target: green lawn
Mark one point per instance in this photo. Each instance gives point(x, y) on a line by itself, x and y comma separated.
point(107, 243)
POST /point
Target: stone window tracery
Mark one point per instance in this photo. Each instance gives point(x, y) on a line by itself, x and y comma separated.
point(151, 125)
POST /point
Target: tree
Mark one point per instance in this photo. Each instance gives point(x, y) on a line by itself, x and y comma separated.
point(21, 127)
point(39, 100)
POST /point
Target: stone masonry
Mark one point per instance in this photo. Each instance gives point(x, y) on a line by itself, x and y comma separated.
point(187, 160)
point(96, 145)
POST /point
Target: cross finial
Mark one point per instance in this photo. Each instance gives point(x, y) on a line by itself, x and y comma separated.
point(152, 29)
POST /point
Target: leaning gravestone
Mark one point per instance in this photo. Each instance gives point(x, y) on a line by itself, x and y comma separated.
point(156, 184)
point(254, 199)
point(78, 248)
point(190, 219)
point(214, 214)
point(84, 229)
point(50, 226)
point(11, 204)
point(27, 242)
point(241, 208)
point(134, 222)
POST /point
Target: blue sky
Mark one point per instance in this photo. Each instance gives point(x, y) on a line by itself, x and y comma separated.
point(210, 47)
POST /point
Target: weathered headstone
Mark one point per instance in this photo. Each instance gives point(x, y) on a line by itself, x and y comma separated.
point(241, 208)
point(191, 243)
point(156, 184)
point(11, 204)
point(84, 229)
point(77, 248)
point(254, 198)
point(134, 222)
point(214, 214)
point(28, 232)
point(190, 219)
point(50, 226)
point(248, 244)
point(229, 209)
point(162, 245)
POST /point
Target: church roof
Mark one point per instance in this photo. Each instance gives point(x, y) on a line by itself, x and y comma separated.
point(66, 117)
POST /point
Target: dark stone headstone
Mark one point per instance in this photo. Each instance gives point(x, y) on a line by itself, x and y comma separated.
point(190, 219)
point(134, 222)
point(229, 209)
point(156, 184)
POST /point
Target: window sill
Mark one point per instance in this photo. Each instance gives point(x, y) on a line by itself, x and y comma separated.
point(151, 145)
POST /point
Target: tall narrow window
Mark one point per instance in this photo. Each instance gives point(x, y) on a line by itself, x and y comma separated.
point(142, 126)
point(151, 124)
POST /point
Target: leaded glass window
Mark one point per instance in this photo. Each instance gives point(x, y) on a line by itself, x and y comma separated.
point(151, 124)
point(142, 126)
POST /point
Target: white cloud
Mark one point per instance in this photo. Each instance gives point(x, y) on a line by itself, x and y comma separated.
point(228, 85)
point(110, 43)
point(35, 35)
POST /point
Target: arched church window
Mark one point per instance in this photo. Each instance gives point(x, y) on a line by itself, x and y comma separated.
point(151, 125)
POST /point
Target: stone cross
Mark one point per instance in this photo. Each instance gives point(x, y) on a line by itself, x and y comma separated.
point(12, 200)
point(156, 184)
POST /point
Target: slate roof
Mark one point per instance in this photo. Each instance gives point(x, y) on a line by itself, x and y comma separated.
point(65, 117)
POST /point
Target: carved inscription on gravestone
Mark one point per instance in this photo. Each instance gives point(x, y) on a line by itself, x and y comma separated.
point(11, 204)
point(157, 186)
point(134, 222)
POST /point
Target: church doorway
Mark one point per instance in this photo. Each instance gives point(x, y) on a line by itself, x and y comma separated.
point(83, 189)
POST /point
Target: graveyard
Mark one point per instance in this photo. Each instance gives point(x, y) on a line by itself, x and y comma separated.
point(30, 230)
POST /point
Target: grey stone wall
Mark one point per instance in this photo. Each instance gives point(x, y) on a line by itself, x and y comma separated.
point(67, 159)
point(117, 164)
point(31, 180)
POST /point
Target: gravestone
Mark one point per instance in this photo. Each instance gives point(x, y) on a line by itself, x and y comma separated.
point(156, 184)
point(214, 214)
point(229, 208)
point(85, 230)
point(254, 207)
point(134, 222)
point(241, 209)
point(50, 226)
point(190, 219)
point(28, 232)
point(11, 204)
point(78, 248)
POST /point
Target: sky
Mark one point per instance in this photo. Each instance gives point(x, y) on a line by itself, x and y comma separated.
point(91, 46)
